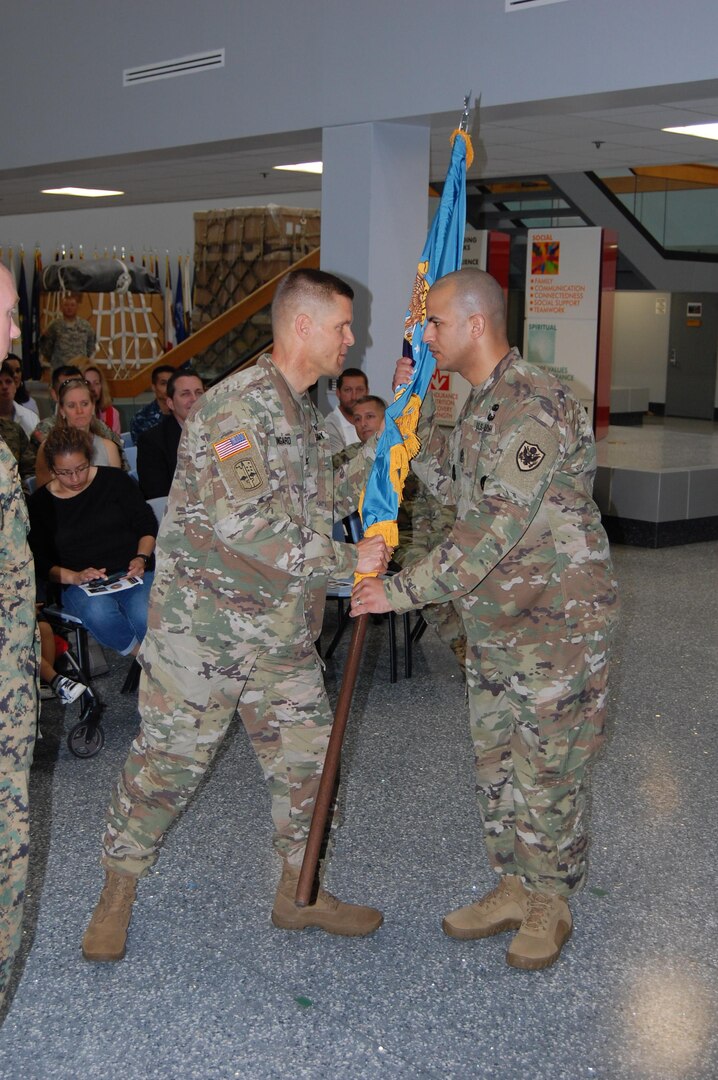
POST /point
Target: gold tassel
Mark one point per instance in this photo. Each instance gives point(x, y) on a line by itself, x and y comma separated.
point(469, 148)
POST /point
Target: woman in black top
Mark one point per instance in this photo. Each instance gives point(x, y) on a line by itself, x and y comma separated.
point(86, 524)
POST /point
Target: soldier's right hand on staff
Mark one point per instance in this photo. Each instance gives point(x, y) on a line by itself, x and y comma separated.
point(374, 555)
point(403, 372)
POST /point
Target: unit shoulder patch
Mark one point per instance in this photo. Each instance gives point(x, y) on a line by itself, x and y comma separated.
point(529, 456)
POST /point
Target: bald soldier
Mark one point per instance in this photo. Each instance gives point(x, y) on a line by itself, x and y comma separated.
point(243, 556)
point(18, 677)
point(528, 560)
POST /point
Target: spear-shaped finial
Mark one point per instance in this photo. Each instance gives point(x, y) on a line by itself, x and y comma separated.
point(464, 124)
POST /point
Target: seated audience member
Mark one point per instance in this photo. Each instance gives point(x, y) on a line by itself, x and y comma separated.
point(351, 385)
point(22, 397)
point(150, 415)
point(157, 448)
point(21, 448)
point(104, 409)
point(60, 375)
point(86, 524)
point(67, 336)
point(368, 417)
point(76, 409)
point(63, 687)
point(9, 409)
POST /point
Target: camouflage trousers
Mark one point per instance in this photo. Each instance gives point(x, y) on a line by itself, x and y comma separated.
point(18, 721)
point(537, 718)
point(186, 707)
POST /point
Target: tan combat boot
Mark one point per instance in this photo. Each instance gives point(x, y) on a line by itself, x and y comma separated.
point(325, 911)
point(542, 934)
point(106, 935)
point(501, 909)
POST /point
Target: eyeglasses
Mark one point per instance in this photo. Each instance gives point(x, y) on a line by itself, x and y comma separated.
point(77, 379)
point(78, 472)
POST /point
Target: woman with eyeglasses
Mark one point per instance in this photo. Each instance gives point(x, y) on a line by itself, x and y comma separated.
point(88, 523)
point(76, 409)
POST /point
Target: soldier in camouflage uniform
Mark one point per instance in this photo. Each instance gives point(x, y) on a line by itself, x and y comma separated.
point(19, 446)
point(18, 679)
point(423, 523)
point(67, 336)
point(243, 556)
point(528, 561)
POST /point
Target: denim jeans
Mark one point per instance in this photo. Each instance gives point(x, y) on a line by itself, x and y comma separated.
point(118, 620)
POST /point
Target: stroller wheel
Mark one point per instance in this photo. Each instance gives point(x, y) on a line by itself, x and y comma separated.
point(85, 739)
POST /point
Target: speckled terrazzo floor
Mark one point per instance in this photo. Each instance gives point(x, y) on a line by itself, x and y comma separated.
point(209, 989)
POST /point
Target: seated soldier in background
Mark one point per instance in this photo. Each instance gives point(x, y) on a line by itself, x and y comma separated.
point(150, 415)
point(21, 448)
point(59, 376)
point(157, 448)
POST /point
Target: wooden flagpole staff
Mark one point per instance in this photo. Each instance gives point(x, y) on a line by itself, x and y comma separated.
point(327, 783)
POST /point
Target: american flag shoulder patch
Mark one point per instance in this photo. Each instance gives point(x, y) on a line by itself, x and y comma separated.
point(230, 445)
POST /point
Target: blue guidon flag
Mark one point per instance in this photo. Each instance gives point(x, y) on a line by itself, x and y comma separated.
point(398, 443)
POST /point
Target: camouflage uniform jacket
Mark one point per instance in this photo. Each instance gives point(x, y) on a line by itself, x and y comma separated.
point(20, 446)
point(64, 341)
point(528, 554)
point(245, 548)
point(17, 617)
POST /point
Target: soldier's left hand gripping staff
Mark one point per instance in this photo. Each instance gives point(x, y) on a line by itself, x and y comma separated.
point(243, 556)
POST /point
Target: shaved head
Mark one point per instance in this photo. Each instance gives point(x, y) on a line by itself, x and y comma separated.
point(465, 326)
point(475, 291)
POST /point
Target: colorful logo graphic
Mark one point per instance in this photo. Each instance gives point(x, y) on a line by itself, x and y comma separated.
point(545, 256)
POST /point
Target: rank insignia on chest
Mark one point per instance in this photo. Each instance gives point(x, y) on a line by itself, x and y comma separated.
point(230, 445)
point(284, 440)
point(529, 456)
point(485, 426)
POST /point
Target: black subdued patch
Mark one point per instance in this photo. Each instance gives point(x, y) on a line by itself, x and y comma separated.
point(529, 456)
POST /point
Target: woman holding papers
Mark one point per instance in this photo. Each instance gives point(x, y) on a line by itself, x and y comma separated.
point(90, 524)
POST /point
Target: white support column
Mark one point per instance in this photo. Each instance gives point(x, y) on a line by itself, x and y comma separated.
point(374, 223)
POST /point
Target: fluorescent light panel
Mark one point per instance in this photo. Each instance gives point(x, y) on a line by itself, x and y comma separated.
point(301, 166)
point(81, 192)
point(703, 131)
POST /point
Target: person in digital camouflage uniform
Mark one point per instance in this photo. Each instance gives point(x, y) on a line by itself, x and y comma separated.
point(528, 561)
point(243, 556)
point(67, 336)
point(19, 446)
point(18, 678)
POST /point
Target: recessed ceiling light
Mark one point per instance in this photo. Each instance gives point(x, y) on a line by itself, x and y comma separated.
point(302, 166)
point(82, 192)
point(703, 131)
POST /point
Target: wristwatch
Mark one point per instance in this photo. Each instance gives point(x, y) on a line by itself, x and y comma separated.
point(145, 558)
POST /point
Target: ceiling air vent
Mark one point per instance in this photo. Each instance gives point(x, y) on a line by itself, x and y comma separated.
point(168, 69)
point(523, 5)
